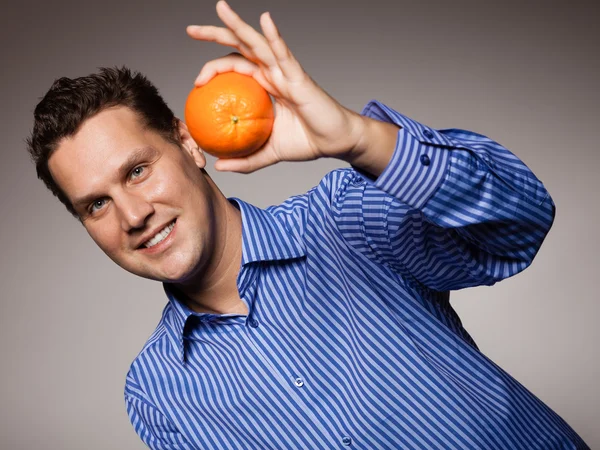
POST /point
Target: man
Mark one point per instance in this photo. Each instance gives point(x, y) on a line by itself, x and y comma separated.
point(323, 322)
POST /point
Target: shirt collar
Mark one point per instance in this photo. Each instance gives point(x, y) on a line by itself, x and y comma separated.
point(265, 237)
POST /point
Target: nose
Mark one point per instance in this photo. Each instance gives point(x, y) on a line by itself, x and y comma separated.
point(134, 210)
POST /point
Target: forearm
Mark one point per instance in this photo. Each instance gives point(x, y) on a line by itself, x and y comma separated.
point(483, 213)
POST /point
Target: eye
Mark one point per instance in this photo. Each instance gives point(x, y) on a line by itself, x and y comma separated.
point(138, 171)
point(98, 204)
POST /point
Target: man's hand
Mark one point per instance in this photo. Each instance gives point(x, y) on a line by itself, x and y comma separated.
point(309, 124)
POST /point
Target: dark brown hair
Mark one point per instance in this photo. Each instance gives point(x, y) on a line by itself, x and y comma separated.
point(70, 101)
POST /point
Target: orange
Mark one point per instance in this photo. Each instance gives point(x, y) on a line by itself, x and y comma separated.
point(230, 116)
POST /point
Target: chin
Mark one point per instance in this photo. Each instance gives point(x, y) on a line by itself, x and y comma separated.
point(178, 267)
point(178, 271)
point(172, 275)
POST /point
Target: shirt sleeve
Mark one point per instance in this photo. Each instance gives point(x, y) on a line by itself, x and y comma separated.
point(155, 430)
point(452, 209)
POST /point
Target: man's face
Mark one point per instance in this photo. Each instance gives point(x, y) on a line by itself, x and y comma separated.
point(136, 183)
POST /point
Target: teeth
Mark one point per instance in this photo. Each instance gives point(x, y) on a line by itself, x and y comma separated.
point(158, 237)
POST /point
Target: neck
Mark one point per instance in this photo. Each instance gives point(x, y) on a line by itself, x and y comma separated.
point(216, 291)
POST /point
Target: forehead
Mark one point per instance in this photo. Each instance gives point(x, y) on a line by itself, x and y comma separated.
point(82, 162)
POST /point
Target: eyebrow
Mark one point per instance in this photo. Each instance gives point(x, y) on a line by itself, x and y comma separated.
point(134, 158)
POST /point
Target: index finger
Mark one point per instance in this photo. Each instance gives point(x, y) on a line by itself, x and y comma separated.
point(255, 41)
point(288, 64)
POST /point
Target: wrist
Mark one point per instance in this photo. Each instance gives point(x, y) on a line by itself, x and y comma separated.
point(375, 144)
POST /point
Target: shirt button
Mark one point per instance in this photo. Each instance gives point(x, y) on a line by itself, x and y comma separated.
point(346, 440)
point(298, 382)
point(428, 134)
point(425, 160)
point(254, 323)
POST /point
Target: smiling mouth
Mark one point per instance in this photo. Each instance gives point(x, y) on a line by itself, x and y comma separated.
point(159, 237)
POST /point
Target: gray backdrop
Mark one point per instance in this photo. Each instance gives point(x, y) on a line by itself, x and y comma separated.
point(522, 73)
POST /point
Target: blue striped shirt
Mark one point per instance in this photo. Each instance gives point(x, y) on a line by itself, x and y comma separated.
point(350, 340)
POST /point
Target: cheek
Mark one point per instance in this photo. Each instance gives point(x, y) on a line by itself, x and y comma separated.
point(172, 183)
point(106, 237)
point(182, 186)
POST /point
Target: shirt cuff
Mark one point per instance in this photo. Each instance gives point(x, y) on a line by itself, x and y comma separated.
point(419, 162)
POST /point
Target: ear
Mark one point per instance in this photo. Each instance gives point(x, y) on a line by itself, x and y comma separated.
point(189, 145)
